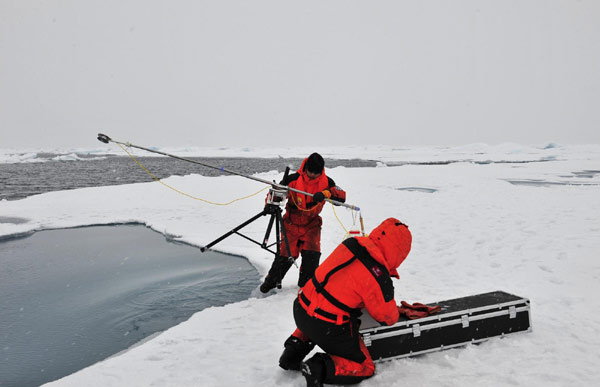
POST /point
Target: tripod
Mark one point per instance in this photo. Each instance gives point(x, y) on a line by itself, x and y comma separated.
point(274, 211)
point(275, 201)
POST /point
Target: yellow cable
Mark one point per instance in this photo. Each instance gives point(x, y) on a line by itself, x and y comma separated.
point(332, 207)
point(298, 207)
point(228, 203)
point(340, 222)
point(183, 193)
point(347, 234)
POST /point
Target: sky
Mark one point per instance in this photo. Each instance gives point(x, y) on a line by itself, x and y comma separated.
point(281, 73)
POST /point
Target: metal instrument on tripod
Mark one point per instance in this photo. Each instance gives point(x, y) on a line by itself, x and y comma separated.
point(274, 205)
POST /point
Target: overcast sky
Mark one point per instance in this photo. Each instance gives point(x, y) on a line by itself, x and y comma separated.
point(275, 73)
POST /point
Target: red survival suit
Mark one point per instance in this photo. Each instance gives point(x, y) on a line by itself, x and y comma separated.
point(302, 224)
point(355, 276)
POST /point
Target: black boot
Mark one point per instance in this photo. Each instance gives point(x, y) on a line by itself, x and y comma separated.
point(295, 351)
point(267, 285)
point(278, 269)
point(310, 262)
point(313, 371)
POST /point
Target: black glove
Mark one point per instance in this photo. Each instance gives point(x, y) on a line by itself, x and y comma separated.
point(320, 196)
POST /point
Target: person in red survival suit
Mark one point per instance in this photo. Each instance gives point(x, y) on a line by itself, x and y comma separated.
point(302, 221)
point(355, 276)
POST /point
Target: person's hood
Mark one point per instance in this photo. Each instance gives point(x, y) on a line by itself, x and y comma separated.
point(389, 244)
point(301, 170)
point(305, 177)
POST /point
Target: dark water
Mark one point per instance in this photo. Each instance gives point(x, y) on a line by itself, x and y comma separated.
point(70, 298)
point(25, 179)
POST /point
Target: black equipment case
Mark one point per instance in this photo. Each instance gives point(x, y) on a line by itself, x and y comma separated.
point(459, 322)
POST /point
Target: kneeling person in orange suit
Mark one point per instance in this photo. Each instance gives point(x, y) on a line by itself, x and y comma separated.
point(355, 276)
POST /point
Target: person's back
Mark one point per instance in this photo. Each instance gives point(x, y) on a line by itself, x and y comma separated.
point(348, 281)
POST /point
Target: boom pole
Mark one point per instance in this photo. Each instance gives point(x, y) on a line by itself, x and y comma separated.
point(105, 139)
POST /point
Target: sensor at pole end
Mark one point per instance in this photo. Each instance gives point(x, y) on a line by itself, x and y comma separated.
point(103, 138)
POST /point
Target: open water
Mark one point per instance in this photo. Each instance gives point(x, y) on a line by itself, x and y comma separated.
point(73, 297)
point(25, 179)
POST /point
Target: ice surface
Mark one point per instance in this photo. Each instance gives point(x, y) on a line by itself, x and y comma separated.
point(476, 233)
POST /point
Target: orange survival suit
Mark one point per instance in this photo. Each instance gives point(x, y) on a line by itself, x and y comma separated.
point(355, 276)
point(302, 221)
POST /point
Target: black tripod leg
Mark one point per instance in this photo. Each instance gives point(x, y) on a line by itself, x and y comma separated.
point(285, 238)
point(286, 260)
point(235, 230)
point(281, 263)
point(268, 232)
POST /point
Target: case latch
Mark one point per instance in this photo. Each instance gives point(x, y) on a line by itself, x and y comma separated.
point(465, 320)
point(416, 330)
point(367, 339)
point(512, 312)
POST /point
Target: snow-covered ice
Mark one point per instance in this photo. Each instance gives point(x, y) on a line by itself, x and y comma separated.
point(475, 229)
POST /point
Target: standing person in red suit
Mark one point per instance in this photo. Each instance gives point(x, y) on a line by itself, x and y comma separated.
point(356, 275)
point(302, 221)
